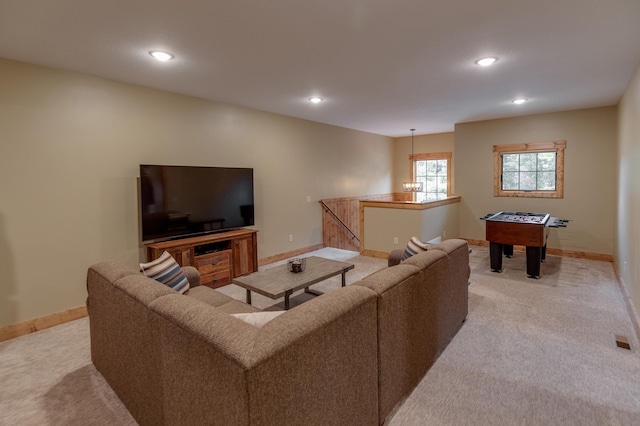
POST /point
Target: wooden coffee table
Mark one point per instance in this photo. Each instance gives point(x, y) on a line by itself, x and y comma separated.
point(277, 282)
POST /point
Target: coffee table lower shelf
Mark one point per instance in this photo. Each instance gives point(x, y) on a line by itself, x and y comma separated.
point(278, 282)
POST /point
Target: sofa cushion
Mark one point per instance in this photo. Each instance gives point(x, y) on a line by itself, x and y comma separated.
point(220, 301)
point(414, 246)
point(209, 296)
point(166, 270)
point(424, 260)
point(386, 278)
point(141, 288)
point(258, 319)
point(109, 271)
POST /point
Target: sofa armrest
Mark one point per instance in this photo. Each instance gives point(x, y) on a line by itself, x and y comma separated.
point(455, 299)
point(451, 245)
point(458, 249)
point(192, 274)
point(395, 257)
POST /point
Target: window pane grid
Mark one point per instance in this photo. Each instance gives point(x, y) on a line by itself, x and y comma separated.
point(529, 172)
point(433, 174)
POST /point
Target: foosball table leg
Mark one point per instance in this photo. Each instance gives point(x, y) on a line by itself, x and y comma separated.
point(534, 257)
point(495, 252)
point(507, 249)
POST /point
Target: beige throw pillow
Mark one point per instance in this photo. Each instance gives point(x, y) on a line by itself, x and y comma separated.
point(258, 319)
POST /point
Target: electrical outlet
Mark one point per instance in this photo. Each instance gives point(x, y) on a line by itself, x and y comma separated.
point(395, 240)
point(444, 234)
point(290, 237)
point(308, 198)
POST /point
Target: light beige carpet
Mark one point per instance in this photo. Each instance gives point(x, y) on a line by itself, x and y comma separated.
point(532, 352)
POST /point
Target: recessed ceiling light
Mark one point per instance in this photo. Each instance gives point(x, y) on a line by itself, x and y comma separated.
point(485, 62)
point(161, 56)
point(519, 101)
point(315, 100)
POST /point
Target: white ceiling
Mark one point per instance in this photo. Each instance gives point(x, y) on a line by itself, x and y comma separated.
point(381, 66)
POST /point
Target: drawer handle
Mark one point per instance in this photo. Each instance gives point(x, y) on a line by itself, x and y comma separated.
point(215, 279)
point(215, 262)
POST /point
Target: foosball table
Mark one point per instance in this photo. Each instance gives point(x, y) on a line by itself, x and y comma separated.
point(506, 229)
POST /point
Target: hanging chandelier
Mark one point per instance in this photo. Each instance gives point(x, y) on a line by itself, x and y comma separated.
point(413, 186)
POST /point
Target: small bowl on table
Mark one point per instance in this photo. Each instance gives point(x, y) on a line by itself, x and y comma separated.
point(296, 265)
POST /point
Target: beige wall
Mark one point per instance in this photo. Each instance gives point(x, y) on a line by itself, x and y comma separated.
point(422, 144)
point(71, 144)
point(441, 221)
point(382, 225)
point(590, 174)
point(628, 220)
point(70, 150)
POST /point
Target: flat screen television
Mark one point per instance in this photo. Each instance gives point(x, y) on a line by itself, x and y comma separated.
point(183, 201)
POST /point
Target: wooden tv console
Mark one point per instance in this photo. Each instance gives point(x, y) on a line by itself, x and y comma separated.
point(219, 257)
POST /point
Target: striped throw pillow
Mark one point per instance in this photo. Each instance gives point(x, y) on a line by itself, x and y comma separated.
point(414, 246)
point(166, 270)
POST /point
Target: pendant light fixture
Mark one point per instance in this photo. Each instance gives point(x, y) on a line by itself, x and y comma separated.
point(412, 186)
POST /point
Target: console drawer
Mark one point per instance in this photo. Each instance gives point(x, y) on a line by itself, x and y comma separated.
point(217, 279)
point(214, 262)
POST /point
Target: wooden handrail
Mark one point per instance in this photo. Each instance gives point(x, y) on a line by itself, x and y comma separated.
point(327, 208)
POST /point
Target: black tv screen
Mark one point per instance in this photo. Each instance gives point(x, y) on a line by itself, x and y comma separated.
point(182, 201)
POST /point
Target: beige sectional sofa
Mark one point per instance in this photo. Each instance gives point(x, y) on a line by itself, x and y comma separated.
point(347, 357)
